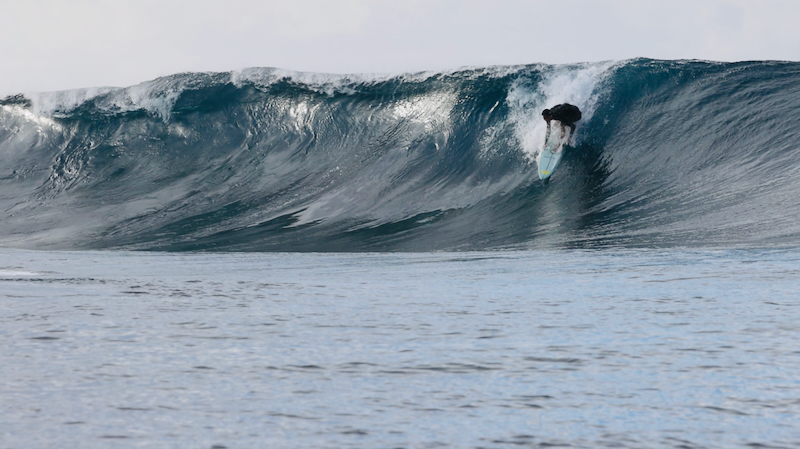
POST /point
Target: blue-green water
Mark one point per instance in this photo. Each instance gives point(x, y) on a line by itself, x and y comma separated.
point(334, 326)
point(602, 348)
point(667, 154)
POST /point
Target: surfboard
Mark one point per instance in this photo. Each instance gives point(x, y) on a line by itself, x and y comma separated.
point(553, 149)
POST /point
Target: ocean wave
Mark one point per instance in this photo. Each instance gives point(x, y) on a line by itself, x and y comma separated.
point(667, 153)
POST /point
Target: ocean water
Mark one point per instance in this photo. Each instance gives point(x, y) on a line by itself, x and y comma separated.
point(266, 258)
point(637, 348)
point(668, 153)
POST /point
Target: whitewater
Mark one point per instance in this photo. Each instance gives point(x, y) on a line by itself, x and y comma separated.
point(268, 258)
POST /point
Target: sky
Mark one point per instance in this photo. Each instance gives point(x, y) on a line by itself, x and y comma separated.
point(48, 45)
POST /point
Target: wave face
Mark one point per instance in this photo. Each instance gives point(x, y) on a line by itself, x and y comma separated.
point(668, 153)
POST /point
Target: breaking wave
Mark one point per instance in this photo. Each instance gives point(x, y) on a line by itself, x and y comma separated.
point(668, 153)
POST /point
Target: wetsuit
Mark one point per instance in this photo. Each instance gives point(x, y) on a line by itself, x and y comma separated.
point(566, 113)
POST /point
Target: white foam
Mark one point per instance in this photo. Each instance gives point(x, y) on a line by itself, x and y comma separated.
point(11, 273)
point(49, 103)
point(574, 84)
point(41, 122)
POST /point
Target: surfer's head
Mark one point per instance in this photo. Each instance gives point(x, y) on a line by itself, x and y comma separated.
point(546, 115)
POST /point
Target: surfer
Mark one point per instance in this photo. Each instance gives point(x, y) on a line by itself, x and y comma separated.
point(566, 114)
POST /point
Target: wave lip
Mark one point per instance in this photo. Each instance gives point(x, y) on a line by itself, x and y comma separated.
point(668, 153)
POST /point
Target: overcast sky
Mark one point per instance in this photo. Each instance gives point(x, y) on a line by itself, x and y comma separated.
point(61, 44)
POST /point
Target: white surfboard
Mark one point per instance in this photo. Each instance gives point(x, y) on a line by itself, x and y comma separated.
point(553, 149)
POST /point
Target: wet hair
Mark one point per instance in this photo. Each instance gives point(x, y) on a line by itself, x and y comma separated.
point(545, 112)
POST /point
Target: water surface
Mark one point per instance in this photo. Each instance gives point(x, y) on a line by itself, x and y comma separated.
point(604, 348)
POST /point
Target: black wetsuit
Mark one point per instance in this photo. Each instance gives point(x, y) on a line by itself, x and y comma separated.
point(566, 113)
